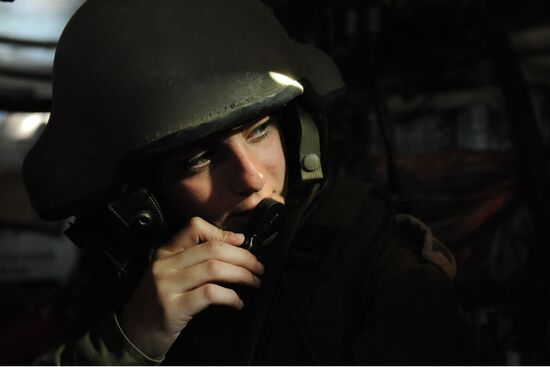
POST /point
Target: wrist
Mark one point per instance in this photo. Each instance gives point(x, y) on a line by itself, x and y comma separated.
point(145, 341)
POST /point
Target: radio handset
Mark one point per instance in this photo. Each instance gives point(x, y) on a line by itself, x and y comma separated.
point(264, 222)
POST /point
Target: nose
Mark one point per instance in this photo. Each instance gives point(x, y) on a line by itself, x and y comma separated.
point(247, 174)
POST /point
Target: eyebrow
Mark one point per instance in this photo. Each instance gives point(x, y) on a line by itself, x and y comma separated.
point(209, 140)
point(255, 121)
point(213, 140)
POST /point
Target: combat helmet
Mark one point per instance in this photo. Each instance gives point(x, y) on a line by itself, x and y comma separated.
point(136, 77)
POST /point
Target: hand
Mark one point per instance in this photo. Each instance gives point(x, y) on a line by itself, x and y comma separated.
point(182, 281)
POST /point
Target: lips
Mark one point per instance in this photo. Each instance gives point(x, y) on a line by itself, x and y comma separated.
point(243, 211)
point(239, 218)
point(237, 222)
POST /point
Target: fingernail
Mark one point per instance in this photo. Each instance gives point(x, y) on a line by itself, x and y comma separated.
point(241, 304)
point(237, 238)
point(261, 268)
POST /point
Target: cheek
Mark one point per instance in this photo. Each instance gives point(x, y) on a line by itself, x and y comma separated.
point(188, 197)
point(279, 163)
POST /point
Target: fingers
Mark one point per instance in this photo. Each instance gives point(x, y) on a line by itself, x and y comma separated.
point(209, 294)
point(187, 272)
point(184, 278)
point(215, 250)
point(211, 271)
point(198, 231)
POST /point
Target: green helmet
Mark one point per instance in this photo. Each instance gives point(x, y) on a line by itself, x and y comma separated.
point(136, 77)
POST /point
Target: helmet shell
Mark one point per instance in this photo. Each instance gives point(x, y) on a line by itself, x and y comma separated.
point(128, 74)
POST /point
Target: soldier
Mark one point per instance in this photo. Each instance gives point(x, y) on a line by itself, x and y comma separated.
point(172, 121)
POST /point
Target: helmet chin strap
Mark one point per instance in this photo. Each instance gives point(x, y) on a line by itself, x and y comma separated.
point(310, 147)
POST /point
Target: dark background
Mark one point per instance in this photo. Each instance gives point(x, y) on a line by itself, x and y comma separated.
point(447, 109)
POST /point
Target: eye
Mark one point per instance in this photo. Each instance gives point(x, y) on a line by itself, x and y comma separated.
point(259, 131)
point(198, 162)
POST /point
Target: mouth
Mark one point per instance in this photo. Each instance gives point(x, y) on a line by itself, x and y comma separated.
point(237, 222)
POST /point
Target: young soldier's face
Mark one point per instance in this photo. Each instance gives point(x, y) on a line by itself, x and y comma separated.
point(223, 180)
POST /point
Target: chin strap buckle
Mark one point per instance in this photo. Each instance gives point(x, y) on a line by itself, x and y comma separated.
point(310, 147)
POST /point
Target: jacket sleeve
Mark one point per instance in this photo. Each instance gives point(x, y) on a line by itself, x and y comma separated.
point(413, 315)
point(105, 344)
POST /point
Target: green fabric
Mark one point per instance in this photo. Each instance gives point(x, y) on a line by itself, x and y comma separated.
point(105, 345)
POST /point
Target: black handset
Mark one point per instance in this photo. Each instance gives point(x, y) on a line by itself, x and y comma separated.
point(264, 222)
